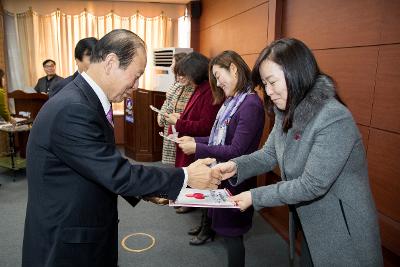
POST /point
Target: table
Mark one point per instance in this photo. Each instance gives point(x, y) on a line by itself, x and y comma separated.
point(12, 161)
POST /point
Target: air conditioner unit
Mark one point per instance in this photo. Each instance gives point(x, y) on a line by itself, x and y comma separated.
point(163, 75)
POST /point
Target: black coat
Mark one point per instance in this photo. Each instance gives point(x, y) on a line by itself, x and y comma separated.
point(43, 86)
point(75, 173)
point(61, 84)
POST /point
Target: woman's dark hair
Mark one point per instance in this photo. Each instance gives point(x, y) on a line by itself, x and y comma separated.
point(84, 47)
point(193, 66)
point(299, 67)
point(121, 42)
point(2, 73)
point(224, 60)
point(178, 57)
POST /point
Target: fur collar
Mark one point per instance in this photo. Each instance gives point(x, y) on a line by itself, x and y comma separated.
point(313, 102)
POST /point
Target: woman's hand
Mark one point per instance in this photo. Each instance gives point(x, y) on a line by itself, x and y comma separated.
point(226, 169)
point(243, 200)
point(13, 121)
point(172, 118)
point(185, 139)
point(188, 148)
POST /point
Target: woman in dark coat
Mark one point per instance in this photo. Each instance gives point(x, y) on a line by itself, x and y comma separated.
point(237, 131)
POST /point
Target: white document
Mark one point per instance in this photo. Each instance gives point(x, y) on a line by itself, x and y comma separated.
point(218, 198)
point(153, 108)
point(169, 137)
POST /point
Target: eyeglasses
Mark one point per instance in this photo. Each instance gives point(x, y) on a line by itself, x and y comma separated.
point(49, 66)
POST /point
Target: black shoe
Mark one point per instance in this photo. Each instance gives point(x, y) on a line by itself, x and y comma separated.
point(195, 230)
point(182, 210)
point(202, 238)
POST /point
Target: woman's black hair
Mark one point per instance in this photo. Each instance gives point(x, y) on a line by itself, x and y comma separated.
point(194, 66)
point(299, 67)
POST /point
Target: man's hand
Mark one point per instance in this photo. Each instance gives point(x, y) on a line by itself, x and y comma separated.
point(243, 200)
point(226, 169)
point(201, 176)
point(188, 148)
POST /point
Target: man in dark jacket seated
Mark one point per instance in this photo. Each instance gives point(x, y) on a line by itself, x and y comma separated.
point(47, 82)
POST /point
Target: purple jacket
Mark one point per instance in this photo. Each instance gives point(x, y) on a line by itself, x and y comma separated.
point(242, 137)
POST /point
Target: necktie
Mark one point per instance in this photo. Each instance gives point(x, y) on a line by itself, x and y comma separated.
point(110, 116)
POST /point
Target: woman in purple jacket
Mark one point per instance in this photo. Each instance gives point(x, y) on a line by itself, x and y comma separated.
point(236, 131)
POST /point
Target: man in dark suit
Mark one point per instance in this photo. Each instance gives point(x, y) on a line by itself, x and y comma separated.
point(47, 82)
point(83, 51)
point(75, 172)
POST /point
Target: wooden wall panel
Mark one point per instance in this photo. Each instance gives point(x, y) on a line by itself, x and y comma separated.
point(383, 162)
point(391, 15)
point(327, 23)
point(214, 12)
point(354, 71)
point(239, 33)
point(250, 59)
point(119, 129)
point(390, 234)
point(386, 109)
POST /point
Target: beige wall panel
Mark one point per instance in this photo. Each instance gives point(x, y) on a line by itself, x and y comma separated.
point(384, 171)
point(386, 109)
point(354, 71)
point(245, 33)
point(327, 23)
point(215, 11)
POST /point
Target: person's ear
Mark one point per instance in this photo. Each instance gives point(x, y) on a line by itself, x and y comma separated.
point(111, 63)
point(233, 69)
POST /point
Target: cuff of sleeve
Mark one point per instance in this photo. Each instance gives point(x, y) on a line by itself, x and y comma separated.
point(256, 195)
point(186, 178)
point(200, 149)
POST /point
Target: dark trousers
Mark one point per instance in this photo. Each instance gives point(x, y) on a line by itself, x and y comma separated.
point(236, 251)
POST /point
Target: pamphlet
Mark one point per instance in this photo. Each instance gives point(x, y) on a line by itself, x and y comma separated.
point(204, 198)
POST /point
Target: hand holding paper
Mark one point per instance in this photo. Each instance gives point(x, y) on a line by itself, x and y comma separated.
point(243, 200)
point(185, 139)
point(188, 147)
point(172, 118)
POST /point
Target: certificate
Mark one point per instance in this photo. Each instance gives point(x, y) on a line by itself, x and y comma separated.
point(218, 198)
point(169, 137)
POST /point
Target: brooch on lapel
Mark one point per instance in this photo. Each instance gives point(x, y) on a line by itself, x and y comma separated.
point(297, 136)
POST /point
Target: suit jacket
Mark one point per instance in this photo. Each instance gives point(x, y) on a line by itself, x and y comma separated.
point(196, 120)
point(61, 84)
point(242, 137)
point(324, 171)
point(75, 174)
point(41, 84)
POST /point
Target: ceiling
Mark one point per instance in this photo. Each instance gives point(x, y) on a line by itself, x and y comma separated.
point(153, 2)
